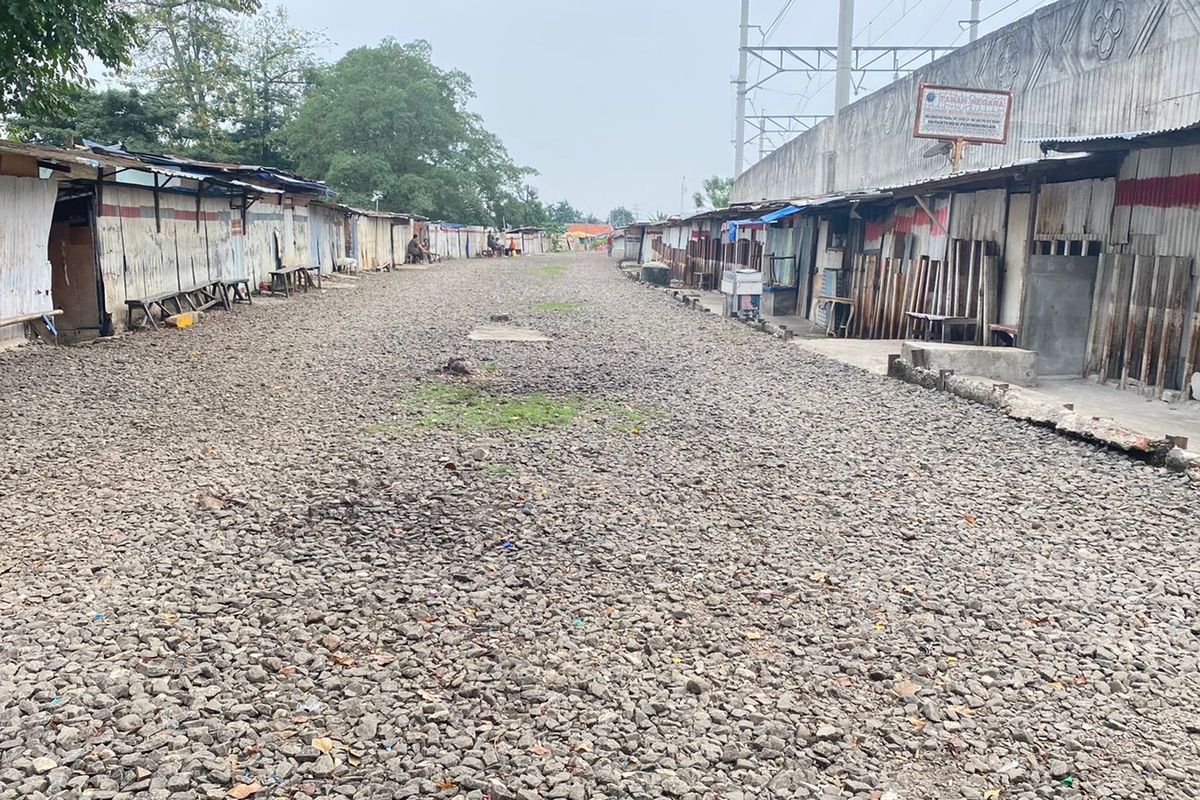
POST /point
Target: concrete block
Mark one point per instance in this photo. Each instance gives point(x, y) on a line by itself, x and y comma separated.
point(656, 274)
point(184, 319)
point(1005, 364)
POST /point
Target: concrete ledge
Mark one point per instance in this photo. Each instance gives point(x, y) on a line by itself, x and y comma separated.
point(1006, 364)
point(1097, 430)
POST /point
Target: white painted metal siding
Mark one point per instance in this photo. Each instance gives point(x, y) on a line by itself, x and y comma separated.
point(26, 210)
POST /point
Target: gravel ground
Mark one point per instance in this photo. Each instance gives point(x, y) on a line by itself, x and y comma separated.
point(238, 562)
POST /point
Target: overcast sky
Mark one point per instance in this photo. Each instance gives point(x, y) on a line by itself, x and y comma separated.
point(618, 102)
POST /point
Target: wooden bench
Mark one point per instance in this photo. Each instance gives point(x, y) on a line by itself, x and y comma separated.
point(999, 333)
point(925, 325)
point(147, 305)
point(234, 290)
point(40, 324)
point(288, 279)
point(204, 297)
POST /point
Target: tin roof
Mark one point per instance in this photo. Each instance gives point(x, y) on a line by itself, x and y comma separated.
point(1162, 137)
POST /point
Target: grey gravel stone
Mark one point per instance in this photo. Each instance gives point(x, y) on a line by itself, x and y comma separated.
point(742, 572)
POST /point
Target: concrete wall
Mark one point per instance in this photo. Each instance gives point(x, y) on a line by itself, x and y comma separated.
point(1073, 67)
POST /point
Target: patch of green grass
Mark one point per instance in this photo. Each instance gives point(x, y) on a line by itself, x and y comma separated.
point(552, 270)
point(500, 469)
point(557, 306)
point(492, 368)
point(469, 409)
point(628, 415)
point(474, 409)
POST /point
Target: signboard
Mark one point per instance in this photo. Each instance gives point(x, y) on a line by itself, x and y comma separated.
point(969, 115)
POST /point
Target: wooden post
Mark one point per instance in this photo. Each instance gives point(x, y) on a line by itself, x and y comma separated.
point(1191, 342)
point(1150, 337)
point(1094, 346)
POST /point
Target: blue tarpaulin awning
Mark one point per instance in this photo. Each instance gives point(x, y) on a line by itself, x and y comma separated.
point(773, 216)
point(780, 213)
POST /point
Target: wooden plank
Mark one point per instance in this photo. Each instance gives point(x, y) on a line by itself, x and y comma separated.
point(1096, 325)
point(1192, 341)
point(1119, 300)
point(881, 297)
point(990, 270)
point(1150, 342)
point(915, 279)
point(936, 269)
point(870, 264)
point(894, 311)
point(854, 294)
point(868, 310)
point(951, 306)
point(1172, 325)
point(885, 311)
point(1135, 328)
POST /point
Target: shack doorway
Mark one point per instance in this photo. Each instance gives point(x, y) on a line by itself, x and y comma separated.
point(75, 282)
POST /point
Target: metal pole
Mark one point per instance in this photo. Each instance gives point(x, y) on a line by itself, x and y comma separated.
point(762, 135)
point(974, 20)
point(740, 135)
point(845, 41)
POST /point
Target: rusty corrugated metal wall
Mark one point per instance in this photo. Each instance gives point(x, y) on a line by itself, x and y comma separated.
point(142, 255)
point(1076, 210)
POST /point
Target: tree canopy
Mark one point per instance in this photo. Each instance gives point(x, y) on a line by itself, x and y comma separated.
point(45, 47)
point(715, 194)
point(141, 121)
point(231, 81)
point(387, 119)
point(620, 216)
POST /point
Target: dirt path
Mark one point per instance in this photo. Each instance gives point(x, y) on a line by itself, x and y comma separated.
point(657, 555)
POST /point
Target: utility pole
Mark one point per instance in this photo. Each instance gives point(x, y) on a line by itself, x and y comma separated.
point(974, 20)
point(845, 42)
point(682, 192)
point(740, 124)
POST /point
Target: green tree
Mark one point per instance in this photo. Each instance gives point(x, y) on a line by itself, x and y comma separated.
point(387, 119)
point(659, 216)
point(275, 62)
point(190, 55)
point(45, 47)
point(620, 216)
point(563, 213)
point(140, 121)
point(715, 194)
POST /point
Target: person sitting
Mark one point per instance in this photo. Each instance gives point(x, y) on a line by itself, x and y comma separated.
point(416, 252)
point(494, 246)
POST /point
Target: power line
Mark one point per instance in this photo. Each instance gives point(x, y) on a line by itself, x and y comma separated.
point(1003, 8)
point(774, 26)
point(899, 19)
point(878, 14)
point(938, 18)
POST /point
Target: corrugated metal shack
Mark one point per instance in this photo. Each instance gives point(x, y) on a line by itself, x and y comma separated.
point(378, 238)
point(27, 198)
point(85, 230)
point(528, 240)
point(453, 240)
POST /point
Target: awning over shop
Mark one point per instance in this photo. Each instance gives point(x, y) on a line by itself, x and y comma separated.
point(765, 219)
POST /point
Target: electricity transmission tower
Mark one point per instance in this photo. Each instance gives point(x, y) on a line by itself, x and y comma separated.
point(851, 65)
